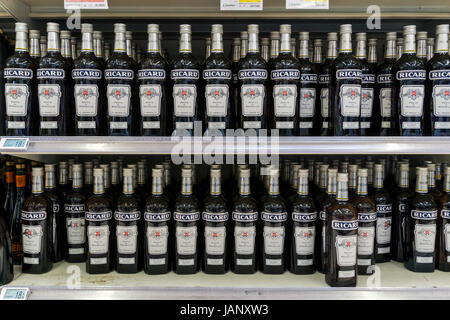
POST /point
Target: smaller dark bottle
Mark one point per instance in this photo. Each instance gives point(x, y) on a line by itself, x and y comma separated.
point(438, 85)
point(215, 218)
point(63, 174)
point(245, 228)
point(51, 193)
point(15, 230)
point(383, 113)
point(54, 88)
point(157, 227)
point(235, 70)
point(420, 227)
point(345, 88)
point(129, 228)
point(408, 95)
point(383, 201)
point(285, 75)
point(116, 186)
point(401, 199)
point(65, 47)
point(352, 180)
point(6, 255)
point(10, 197)
point(87, 76)
point(367, 220)
point(20, 90)
point(443, 225)
point(274, 227)
point(185, 75)
point(253, 83)
point(367, 85)
point(304, 216)
point(88, 178)
point(100, 229)
point(74, 217)
point(432, 182)
point(217, 77)
point(342, 238)
point(141, 180)
point(310, 116)
point(109, 192)
point(98, 47)
point(37, 228)
point(35, 48)
point(120, 83)
point(422, 37)
point(187, 227)
point(153, 88)
point(324, 85)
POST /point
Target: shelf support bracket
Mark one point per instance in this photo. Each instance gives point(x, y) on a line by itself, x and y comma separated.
point(18, 9)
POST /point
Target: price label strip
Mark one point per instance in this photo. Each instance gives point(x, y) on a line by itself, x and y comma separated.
point(11, 293)
point(307, 4)
point(85, 4)
point(241, 5)
point(14, 144)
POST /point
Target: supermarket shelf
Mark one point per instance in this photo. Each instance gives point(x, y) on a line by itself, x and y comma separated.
point(234, 145)
point(391, 281)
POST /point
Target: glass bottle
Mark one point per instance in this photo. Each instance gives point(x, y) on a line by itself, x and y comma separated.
point(422, 37)
point(51, 193)
point(443, 234)
point(10, 198)
point(16, 222)
point(35, 48)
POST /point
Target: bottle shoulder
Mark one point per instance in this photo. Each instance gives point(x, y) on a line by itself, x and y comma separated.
point(87, 61)
point(252, 61)
point(307, 66)
point(20, 60)
point(185, 61)
point(409, 62)
point(217, 61)
point(346, 61)
point(153, 61)
point(119, 61)
point(284, 62)
point(36, 202)
point(439, 62)
point(53, 60)
point(98, 202)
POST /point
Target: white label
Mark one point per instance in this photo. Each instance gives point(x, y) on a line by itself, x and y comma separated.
point(410, 125)
point(386, 102)
point(325, 125)
point(216, 125)
point(241, 5)
point(385, 124)
point(126, 239)
point(350, 125)
point(76, 250)
point(85, 4)
point(150, 96)
point(307, 4)
point(425, 235)
point(75, 230)
point(244, 262)
point(98, 238)
point(384, 230)
point(184, 97)
point(186, 240)
point(103, 260)
point(49, 99)
point(273, 262)
point(324, 93)
point(383, 250)
point(442, 125)
point(215, 240)
point(184, 125)
point(32, 239)
point(119, 98)
point(366, 102)
point(350, 100)
point(157, 238)
point(346, 274)
point(364, 262)
point(186, 262)
point(366, 239)
point(49, 125)
point(447, 236)
point(285, 100)
point(441, 100)
point(412, 100)
point(284, 125)
point(245, 239)
point(365, 125)
point(346, 250)
point(252, 124)
point(29, 260)
point(16, 124)
point(86, 100)
point(214, 262)
point(151, 125)
point(217, 99)
point(424, 259)
point(16, 98)
point(305, 125)
point(252, 96)
point(273, 240)
point(304, 262)
point(157, 262)
point(86, 125)
point(304, 240)
point(307, 102)
point(127, 260)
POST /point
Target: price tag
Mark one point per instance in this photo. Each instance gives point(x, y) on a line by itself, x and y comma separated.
point(241, 5)
point(85, 4)
point(18, 144)
point(307, 4)
point(10, 293)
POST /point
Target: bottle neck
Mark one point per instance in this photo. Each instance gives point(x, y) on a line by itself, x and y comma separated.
point(66, 51)
point(422, 184)
point(128, 187)
point(244, 186)
point(274, 189)
point(106, 180)
point(323, 180)
point(431, 179)
point(372, 55)
point(390, 50)
point(186, 186)
point(50, 181)
point(99, 185)
point(77, 181)
point(441, 43)
point(285, 46)
point(157, 185)
point(362, 189)
point(236, 53)
point(53, 42)
point(217, 43)
point(115, 176)
point(141, 176)
point(98, 48)
point(332, 185)
point(275, 48)
point(153, 45)
point(129, 45)
point(215, 186)
point(87, 43)
point(342, 191)
point(361, 52)
point(446, 186)
point(317, 54)
point(353, 180)
point(35, 49)
point(120, 42)
point(185, 43)
point(88, 176)
point(62, 176)
point(253, 43)
point(409, 45)
point(332, 49)
point(345, 45)
point(422, 48)
point(21, 182)
point(21, 42)
point(403, 179)
point(302, 186)
point(304, 49)
point(167, 177)
point(378, 180)
point(37, 185)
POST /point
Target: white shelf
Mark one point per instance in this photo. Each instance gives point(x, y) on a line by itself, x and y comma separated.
point(240, 145)
point(391, 281)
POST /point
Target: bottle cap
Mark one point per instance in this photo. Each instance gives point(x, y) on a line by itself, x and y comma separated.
point(372, 42)
point(21, 27)
point(244, 35)
point(342, 177)
point(236, 41)
point(49, 167)
point(431, 167)
point(114, 164)
point(35, 34)
point(303, 36)
point(285, 28)
point(430, 41)
point(217, 28)
point(52, 27)
point(293, 41)
point(129, 35)
point(98, 172)
point(363, 172)
point(353, 167)
point(120, 28)
point(37, 171)
point(265, 41)
point(186, 172)
point(275, 35)
point(63, 164)
point(345, 28)
point(404, 166)
point(88, 164)
point(411, 29)
point(318, 42)
point(442, 28)
point(157, 172)
point(361, 36)
point(98, 35)
point(421, 170)
point(332, 36)
point(274, 172)
point(215, 172)
point(208, 41)
point(77, 167)
point(391, 35)
point(332, 172)
point(87, 27)
point(324, 167)
point(73, 39)
point(127, 172)
point(185, 28)
point(245, 173)
point(65, 34)
point(399, 41)
point(152, 28)
point(447, 171)
point(303, 173)
point(422, 35)
point(253, 28)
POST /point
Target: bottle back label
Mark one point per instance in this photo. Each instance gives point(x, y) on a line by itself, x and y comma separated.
point(186, 240)
point(217, 96)
point(424, 238)
point(215, 240)
point(411, 98)
point(441, 100)
point(32, 238)
point(16, 99)
point(350, 96)
point(384, 230)
point(184, 97)
point(273, 240)
point(86, 100)
point(307, 102)
point(324, 94)
point(304, 240)
point(76, 230)
point(157, 238)
point(126, 239)
point(386, 102)
point(366, 240)
point(244, 238)
point(285, 100)
point(346, 247)
point(119, 99)
point(150, 96)
point(49, 99)
point(366, 102)
point(98, 238)
point(252, 96)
